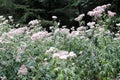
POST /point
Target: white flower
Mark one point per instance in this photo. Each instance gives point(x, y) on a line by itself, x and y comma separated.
point(118, 24)
point(64, 26)
point(10, 17)
point(73, 64)
point(23, 70)
point(51, 27)
point(17, 25)
point(73, 28)
point(58, 23)
point(56, 31)
point(1, 17)
point(117, 38)
point(54, 17)
point(81, 52)
point(5, 22)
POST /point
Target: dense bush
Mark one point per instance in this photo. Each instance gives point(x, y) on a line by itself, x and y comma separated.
point(88, 53)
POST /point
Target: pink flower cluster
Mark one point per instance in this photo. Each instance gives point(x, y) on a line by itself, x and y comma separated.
point(40, 35)
point(111, 14)
point(15, 32)
point(79, 32)
point(80, 17)
point(64, 55)
point(91, 23)
point(74, 34)
point(51, 50)
point(34, 22)
point(60, 54)
point(4, 78)
point(97, 12)
point(62, 31)
point(23, 70)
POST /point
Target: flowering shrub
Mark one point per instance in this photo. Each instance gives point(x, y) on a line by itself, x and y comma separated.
point(83, 54)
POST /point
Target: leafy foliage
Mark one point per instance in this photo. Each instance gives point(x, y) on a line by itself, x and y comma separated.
point(31, 53)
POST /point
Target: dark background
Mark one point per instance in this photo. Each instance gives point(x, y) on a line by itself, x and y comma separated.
point(66, 10)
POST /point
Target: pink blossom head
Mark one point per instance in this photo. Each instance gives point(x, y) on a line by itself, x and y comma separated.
point(80, 17)
point(40, 35)
point(23, 70)
point(72, 55)
point(111, 14)
point(101, 30)
point(4, 78)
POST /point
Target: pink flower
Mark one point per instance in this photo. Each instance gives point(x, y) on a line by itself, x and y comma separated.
point(51, 50)
point(4, 78)
point(72, 55)
point(16, 32)
point(81, 28)
point(23, 70)
point(100, 9)
point(91, 23)
point(64, 31)
point(40, 35)
point(34, 22)
point(101, 30)
point(55, 55)
point(63, 52)
point(63, 57)
point(74, 34)
point(111, 14)
point(1, 39)
point(97, 12)
point(79, 17)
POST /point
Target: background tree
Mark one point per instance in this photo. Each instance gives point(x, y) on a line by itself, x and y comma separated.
point(66, 10)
